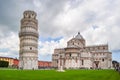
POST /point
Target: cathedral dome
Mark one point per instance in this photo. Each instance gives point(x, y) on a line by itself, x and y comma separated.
point(77, 41)
point(78, 36)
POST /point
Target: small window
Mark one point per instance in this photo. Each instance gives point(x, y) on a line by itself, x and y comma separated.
point(29, 16)
point(103, 60)
point(30, 48)
point(73, 43)
point(103, 47)
point(82, 62)
point(60, 56)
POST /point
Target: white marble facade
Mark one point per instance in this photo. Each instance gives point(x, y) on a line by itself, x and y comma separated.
point(28, 54)
point(77, 55)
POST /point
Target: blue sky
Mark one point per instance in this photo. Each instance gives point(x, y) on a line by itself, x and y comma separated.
point(97, 20)
point(116, 55)
point(43, 39)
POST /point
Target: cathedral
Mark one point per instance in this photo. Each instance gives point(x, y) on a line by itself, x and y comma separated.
point(79, 56)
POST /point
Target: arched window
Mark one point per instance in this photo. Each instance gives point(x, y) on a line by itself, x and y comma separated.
point(70, 54)
point(29, 16)
point(30, 48)
point(73, 43)
point(82, 62)
point(103, 60)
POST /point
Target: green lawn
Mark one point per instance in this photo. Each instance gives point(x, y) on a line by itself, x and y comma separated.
point(54, 75)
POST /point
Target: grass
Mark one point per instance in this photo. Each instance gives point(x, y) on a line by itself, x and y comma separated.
point(54, 75)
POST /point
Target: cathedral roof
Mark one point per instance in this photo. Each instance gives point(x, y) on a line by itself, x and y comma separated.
point(79, 36)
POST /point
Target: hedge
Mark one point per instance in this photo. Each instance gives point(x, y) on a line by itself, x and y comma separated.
point(4, 63)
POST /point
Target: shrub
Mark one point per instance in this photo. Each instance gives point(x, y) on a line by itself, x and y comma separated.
point(4, 63)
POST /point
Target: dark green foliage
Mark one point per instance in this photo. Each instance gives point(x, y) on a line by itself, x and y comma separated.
point(115, 63)
point(4, 63)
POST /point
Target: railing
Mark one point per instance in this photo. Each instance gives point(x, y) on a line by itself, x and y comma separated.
point(29, 20)
point(29, 33)
point(29, 44)
point(29, 51)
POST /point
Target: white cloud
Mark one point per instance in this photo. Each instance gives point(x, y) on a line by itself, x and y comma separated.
point(87, 14)
point(37, 3)
point(64, 18)
point(10, 45)
point(48, 47)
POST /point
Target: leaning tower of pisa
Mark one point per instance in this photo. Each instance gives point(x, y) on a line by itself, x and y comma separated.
point(28, 36)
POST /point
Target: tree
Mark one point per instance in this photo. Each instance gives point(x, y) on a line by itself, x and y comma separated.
point(115, 65)
point(4, 63)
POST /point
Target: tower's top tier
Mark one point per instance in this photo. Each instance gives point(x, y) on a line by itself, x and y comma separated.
point(29, 14)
